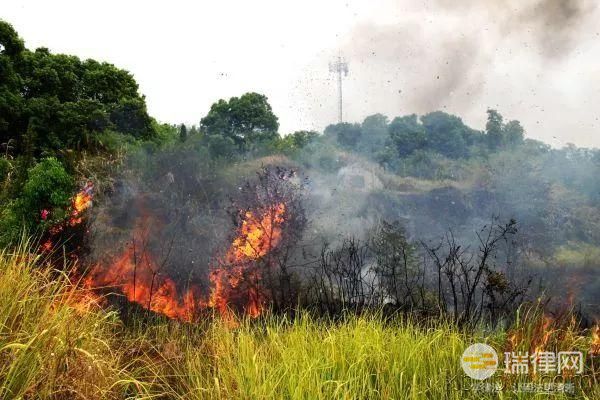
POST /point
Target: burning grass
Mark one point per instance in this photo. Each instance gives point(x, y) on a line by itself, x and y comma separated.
point(56, 343)
point(236, 280)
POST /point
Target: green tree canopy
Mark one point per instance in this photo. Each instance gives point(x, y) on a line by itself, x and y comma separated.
point(494, 129)
point(514, 133)
point(446, 134)
point(183, 133)
point(346, 134)
point(48, 188)
point(407, 134)
point(374, 133)
point(49, 102)
point(245, 120)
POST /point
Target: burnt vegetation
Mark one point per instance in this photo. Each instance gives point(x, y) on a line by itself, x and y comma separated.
point(444, 279)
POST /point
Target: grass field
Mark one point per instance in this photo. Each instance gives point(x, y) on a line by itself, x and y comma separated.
point(57, 343)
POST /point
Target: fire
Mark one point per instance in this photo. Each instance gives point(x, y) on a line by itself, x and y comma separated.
point(534, 338)
point(138, 278)
point(595, 348)
point(138, 274)
point(258, 235)
point(81, 202)
point(547, 330)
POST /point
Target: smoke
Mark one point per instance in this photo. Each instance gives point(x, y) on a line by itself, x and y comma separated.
point(429, 72)
point(166, 217)
point(170, 214)
point(446, 61)
point(554, 24)
point(527, 59)
point(459, 56)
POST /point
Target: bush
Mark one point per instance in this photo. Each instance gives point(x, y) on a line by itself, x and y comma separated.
point(48, 187)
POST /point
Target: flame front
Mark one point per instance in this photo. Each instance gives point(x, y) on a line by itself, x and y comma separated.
point(79, 203)
point(535, 337)
point(258, 235)
point(236, 282)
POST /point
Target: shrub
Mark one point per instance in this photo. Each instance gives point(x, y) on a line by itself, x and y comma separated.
point(48, 187)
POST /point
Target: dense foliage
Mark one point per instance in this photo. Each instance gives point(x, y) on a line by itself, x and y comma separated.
point(53, 102)
point(55, 105)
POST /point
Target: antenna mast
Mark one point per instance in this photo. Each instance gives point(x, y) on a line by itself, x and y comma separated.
point(339, 66)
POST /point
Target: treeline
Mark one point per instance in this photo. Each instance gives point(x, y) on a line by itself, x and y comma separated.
point(411, 135)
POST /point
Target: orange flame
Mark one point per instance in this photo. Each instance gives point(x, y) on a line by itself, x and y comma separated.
point(138, 275)
point(535, 338)
point(258, 235)
point(547, 330)
point(595, 349)
point(138, 278)
point(81, 202)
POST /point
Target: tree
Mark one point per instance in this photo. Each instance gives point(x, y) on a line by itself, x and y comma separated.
point(302, 138)
point(52, 102)
point(375, 125)
point(494, 129)
point(446, 134)
point(514, 133)
point(374, 133)
point(131, 117)
point(11, 103)
point(220, 146)
point(183, 133)
point(472, 284)
point(396, 264)
point(407, 134)
point(346, 134)
point(43, 201)
point(12, 44)
point(246, 120)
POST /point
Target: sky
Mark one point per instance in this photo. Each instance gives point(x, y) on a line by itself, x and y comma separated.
point(537, 61)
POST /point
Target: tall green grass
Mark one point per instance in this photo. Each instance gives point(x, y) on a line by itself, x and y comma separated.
point(57, 343)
